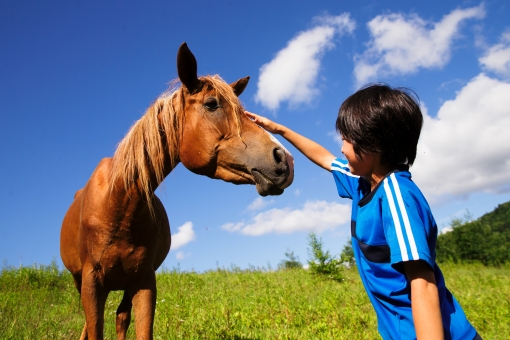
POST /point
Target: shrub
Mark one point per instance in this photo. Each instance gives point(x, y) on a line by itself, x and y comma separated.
point(291, 261)
point(347, 254)
point(321, 262)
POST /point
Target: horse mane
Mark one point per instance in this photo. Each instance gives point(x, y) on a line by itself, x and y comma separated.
point(141, 154)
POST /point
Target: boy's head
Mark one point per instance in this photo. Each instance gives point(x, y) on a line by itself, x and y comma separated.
point(383, 120)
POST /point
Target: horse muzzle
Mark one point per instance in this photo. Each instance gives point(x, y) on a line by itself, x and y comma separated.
point(273, 180)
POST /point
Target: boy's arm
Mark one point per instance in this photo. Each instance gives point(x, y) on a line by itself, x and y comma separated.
point(314, 151)
point(424, 300)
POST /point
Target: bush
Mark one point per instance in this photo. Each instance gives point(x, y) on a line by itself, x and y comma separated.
point(291, 261)
point(347, 254)
point(321, 262)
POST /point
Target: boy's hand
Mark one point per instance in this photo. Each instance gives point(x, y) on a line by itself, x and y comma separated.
point(267, 124)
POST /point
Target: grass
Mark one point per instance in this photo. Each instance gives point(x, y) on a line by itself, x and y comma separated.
point(41, 303)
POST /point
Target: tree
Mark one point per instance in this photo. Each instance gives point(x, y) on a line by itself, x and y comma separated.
point(486, 240)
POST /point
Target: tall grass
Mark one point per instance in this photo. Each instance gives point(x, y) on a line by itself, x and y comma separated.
point(42, 303)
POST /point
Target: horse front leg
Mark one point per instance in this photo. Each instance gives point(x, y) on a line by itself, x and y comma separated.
point(123, 316)
point(144, 305)
point(93, 297)
point(84, 335)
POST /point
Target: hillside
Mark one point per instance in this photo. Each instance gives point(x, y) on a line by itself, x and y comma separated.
point(41, 303)
point(485, 240)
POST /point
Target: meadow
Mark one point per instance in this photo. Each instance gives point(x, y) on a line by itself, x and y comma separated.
point(40, 302)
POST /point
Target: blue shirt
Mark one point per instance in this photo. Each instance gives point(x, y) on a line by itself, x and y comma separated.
point(390, 225)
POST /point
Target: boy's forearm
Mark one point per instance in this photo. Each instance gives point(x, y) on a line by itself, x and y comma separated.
point(315, 152)
point(312, 150)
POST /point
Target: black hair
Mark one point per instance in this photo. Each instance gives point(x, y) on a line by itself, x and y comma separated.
point(384, 120)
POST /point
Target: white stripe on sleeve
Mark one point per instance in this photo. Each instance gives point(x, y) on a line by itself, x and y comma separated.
point(396, 221)
point(341, 167)
point(405, 218)
point(343, 171)
point(340, 164)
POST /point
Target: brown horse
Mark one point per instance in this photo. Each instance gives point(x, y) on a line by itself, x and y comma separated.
point(116, 232)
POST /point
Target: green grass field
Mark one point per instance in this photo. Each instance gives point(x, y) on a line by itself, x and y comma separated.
point(41, 303)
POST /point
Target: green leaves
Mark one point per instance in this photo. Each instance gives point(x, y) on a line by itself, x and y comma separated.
point(347, 255)
point(486, 240)
point(291, 261)
point(322, 262)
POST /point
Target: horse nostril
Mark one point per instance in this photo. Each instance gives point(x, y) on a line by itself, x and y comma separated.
point(280, 161)
point(278, 155)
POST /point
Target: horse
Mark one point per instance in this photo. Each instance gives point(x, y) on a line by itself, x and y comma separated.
point(116, 232)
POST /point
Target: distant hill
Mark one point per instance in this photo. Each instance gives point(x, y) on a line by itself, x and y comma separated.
point(486, 240)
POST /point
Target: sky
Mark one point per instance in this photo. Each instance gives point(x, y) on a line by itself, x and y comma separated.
point(75, 75)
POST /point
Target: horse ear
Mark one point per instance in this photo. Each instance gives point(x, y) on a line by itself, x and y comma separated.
point(187, 68)
point(240, 85)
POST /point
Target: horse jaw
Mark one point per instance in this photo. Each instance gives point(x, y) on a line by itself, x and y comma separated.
point(264, 186)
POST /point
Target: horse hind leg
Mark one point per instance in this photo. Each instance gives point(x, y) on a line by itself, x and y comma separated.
point(123, 317)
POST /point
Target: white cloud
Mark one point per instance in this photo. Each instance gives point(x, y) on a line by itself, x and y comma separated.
point(466, 148)
point(315, 216)
point(259, 203)
point(297, 192)
point(402, 44)
point(185, 235)
point(180, 255)
point(292, 74)
point(497, 57)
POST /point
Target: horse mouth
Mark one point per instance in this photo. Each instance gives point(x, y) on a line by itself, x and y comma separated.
point(264, 185)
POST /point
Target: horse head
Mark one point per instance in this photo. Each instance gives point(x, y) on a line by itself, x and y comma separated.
point(219, 141)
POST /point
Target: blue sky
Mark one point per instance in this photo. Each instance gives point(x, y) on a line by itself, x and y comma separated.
point(75, 75)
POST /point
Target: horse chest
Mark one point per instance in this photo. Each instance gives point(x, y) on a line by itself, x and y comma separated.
point(127, 259)
point(119, 264)
point(119, 246)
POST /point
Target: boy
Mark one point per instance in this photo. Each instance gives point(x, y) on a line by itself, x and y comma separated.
point(393, 231)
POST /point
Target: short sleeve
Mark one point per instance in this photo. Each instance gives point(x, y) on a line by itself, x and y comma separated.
point(346, 183)
point(406, 227)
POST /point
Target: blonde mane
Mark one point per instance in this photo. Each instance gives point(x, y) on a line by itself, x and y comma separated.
point(141, 155)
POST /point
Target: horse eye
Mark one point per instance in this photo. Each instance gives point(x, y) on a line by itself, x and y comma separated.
point(211, 104)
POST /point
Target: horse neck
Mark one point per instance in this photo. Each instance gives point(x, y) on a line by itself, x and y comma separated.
point(149, 152)
point(169, 125)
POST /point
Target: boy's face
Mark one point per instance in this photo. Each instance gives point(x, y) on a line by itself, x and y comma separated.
point(363, 167)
